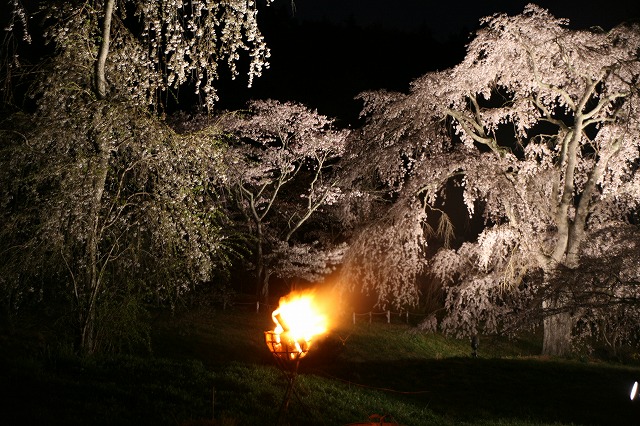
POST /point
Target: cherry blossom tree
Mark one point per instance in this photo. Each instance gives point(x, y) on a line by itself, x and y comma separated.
point(165, 45)
point(98, 193)
point(280, 175)
point(539, 125)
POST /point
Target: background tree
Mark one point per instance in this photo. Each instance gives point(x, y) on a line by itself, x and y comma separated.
point(280, 172)
point(98, 194)
point(545, 148)
point(144, 221)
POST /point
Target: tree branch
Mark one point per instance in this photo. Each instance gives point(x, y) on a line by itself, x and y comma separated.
point(101, 82)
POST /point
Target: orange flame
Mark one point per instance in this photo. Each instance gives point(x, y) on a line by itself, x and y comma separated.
point(298, 320)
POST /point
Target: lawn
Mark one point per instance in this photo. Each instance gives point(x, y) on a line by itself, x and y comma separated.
point(208, 363)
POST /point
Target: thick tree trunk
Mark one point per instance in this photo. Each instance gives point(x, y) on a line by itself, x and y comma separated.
point(557, 329)
point(557, 335)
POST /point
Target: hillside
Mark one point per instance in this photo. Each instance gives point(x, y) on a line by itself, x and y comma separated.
point(352, 373)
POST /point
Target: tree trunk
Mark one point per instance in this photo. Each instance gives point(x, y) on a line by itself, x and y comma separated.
point(101, 81)
point(87, 332)
point(93, 276)
point(266, 276)
point(260, 268)
point(557, 329)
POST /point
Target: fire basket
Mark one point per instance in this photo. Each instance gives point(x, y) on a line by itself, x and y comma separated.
point(287, 353)
point(286, 350)
point(296, 322)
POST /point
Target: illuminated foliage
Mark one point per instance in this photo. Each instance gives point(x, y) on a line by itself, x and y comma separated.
point(101, 200)
point(545, 144)
point(280, 171)
point(139, 211)
point(155, 46)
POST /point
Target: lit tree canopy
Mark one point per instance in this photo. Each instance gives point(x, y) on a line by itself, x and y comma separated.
point(546, 146)
point(280, 171)
point(141, 49)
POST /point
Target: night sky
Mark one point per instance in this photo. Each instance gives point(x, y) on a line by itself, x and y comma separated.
point(445, 18)
point(324, 52)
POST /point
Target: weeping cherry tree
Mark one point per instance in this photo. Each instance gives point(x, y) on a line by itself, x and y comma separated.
point(98, 192)
point(539, 125)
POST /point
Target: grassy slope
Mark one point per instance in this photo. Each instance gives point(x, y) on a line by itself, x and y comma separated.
point(354, 372)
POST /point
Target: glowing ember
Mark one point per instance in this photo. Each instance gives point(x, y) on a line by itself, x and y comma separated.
point(298, 320)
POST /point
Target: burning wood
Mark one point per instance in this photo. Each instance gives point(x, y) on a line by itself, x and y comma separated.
point(298, 320)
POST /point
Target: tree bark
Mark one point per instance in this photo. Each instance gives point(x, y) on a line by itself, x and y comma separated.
point(93, 277)
point(557, 320)
point(101, 81)
point(557, 330)
point(262, 293)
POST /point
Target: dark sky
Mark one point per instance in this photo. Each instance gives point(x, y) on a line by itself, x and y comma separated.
point(325, 52)
point(338, 48)
point(449, 17)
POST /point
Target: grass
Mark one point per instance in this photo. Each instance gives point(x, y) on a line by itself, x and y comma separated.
point(354, 372)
